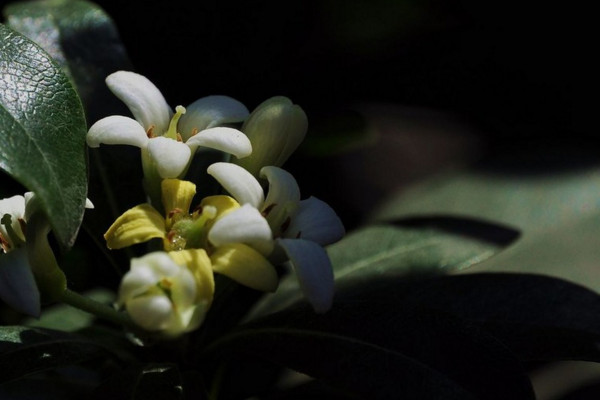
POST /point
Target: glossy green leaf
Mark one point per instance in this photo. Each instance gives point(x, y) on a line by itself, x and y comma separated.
point(25, 351)
point(384, 351)
point(539, 318)
point(396, 251)
point(556, 209)
point(82, 39)
point(43, 132)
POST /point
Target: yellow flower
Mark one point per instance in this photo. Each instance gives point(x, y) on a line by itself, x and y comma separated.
point(236, 239)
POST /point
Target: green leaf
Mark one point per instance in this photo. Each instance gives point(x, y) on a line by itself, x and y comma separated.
point(43, 132)
point(555, 209)
point(24, 351)
point(384, 351)
point(82, 40)
point(539, 318)
point(412, 248)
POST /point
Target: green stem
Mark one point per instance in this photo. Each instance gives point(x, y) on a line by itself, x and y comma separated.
point(98, 309)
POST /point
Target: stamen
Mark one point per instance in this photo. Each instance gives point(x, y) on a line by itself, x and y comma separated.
point(298, 235)
point(4, 244)
point(194, 131)
point(172, 131)
point(268, 210)
point(150, 132)
point(286, 224)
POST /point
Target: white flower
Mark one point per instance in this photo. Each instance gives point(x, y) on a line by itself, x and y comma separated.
point(161, 293)
point(168, 141)
point(300, 227)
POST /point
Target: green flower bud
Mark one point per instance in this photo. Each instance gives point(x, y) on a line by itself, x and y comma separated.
point(275, 128)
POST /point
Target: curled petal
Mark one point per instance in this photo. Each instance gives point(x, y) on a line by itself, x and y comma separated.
point(198, 263)
point(239, 183)
point(143, 99)
point(170, 156)
point(17, 284)
point(228, 140)
point(136, 225)
point(177, 194)
point(244, 225)
point(316, 221)
point(283, 188)
point(117, 130)
point(209, 112)
point(246, 266)
point(313, 269)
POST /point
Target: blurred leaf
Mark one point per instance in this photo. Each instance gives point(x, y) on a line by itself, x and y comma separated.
point(43, 132)
point(557, 210)
point(24, 351)
point(383, 351)
point(539, 318)
point(409, 248)
point(67, 318)
point(83, 41)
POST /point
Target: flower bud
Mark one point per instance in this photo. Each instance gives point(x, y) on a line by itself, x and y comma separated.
point(275, 128)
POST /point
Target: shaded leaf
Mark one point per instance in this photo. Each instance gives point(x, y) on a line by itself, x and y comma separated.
point(43, 132)
point(25, 351)
point(83, 41)
point(539, 318)
point(383, 352)
point(412, 248)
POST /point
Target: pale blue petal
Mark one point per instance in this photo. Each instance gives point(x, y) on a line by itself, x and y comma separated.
point(209, 112)
point(17, 284)
point(315, 220)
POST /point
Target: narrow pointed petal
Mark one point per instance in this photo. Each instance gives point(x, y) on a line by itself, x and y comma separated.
point(170, 156)
point(117, 130)
point(246, 266)
point(17, 284)
point(136, 225)
point(313, 269)
point(316, 221)
point(143, 99)
point(239, 183)
point(209, 112)
point(198, 263)
point(177, 194)
point(283, 188)
point(244, 225)
point(228, 140)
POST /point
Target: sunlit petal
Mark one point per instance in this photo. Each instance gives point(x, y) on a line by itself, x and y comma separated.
point(198, 263)
point(117, 130)
point(144, 100)
point(17, 284)
point(177, 194)
point(228, 140)
point(246, 266)
point(244, 225)
point(138, 224)
point(313, 269)
point(238, 182)
point(315, 220)
point(209, 112)
point(170, 156)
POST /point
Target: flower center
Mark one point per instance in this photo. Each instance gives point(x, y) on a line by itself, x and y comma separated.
point(172, 133)
point(190, 231)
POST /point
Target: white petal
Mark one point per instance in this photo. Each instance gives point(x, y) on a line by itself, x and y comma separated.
point(183, 291)
point(313, 269)
point(283, 188)
point(15, 206)
point(315, 220)
point(88, 204)
point(238, 182)
point(209, 112)
point(151, 312)
point(17, 284)
point(170, 156)
point(143, 99)
point(228, 140)
point(117, 130)
point(243, 225)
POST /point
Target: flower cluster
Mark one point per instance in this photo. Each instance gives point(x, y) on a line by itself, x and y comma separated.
point(243, 235)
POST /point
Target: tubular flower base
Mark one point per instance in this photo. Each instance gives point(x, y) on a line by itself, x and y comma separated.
point(300, 227)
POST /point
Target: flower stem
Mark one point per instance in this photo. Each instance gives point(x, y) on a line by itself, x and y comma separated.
point(98, 309)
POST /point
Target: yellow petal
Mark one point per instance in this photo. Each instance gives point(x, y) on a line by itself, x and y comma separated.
point(177, 194)
point(136, 225)
point(223, 204)
point(199, 265)
point(245, 265)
